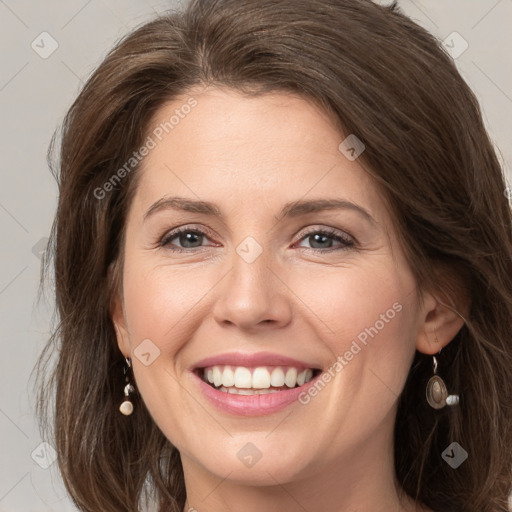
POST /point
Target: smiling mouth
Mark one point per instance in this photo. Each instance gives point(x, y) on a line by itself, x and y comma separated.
point(258, 380)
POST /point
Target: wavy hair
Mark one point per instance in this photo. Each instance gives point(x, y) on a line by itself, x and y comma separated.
point(382, 77)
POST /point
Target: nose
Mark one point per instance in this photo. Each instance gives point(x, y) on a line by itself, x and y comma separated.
point(253, 296)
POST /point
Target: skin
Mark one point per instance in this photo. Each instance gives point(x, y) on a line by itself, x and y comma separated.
point(250, 156)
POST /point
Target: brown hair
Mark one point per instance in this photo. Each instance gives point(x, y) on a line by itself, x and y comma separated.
point(386, 80)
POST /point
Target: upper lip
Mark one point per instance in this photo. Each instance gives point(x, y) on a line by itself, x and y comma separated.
point(253, 360)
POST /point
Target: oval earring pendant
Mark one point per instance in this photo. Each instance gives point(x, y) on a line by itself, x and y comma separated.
point(436, 392)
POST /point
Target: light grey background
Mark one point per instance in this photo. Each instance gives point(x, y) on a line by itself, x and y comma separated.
point(35, 93)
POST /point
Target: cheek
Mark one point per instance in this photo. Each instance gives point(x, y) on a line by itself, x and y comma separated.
point(161, 300)
point(347, 302)
point(365, 316)
point(160, 306)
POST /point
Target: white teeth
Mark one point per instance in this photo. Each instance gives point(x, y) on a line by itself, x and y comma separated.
point(228, 377)
point(240, 378)
point(291, 377)
point(304, 376)
point(236, 391)
point(277, 378)
point(261, 378)
point(217, 376)
point(243, 378)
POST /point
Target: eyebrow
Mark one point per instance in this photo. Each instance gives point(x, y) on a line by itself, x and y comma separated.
point(291, 209)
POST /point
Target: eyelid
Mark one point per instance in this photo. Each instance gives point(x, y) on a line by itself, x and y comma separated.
point(170, 234)
point(329, 231)
point(346, 240)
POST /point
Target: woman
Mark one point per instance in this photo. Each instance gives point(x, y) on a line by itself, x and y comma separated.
point(283, 270)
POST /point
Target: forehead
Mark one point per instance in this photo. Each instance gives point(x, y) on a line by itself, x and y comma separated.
point(231, 148)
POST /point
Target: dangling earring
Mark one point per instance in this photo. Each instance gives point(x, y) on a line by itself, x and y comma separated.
point(437, 394)
point(126, 407)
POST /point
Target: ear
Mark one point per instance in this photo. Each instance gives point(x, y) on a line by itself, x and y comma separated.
point(117, 313)
point(440, 321)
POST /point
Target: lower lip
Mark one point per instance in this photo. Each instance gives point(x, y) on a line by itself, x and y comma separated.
point(252, 405)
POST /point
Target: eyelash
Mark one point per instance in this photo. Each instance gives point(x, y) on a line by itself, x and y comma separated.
point(346, 242)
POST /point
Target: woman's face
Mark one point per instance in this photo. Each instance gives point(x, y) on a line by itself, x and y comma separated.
point(264, 283)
